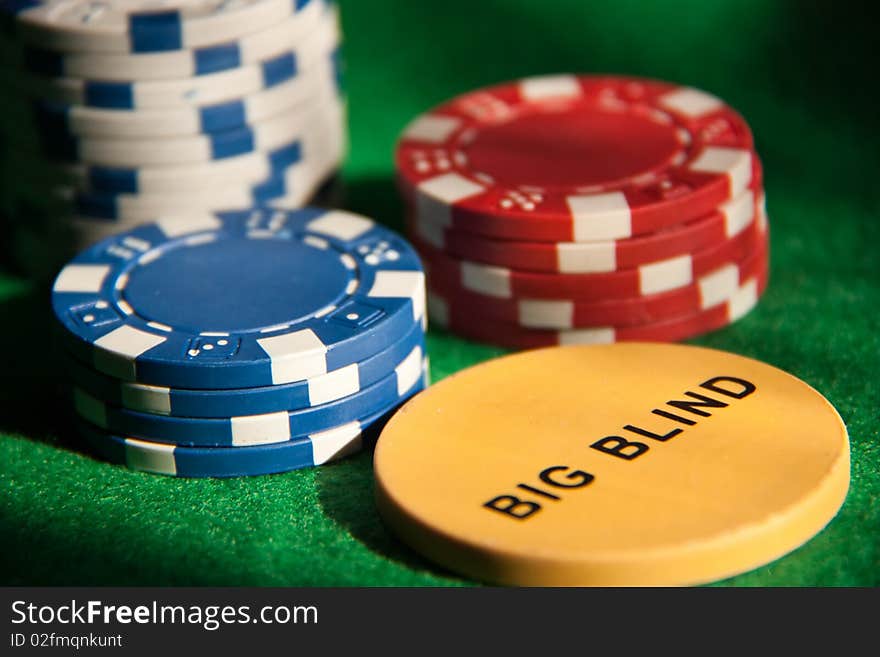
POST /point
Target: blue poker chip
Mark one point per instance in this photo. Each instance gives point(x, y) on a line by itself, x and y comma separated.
point(181, 402)
point(248, 430)
point(162, 458)
point(239, 300)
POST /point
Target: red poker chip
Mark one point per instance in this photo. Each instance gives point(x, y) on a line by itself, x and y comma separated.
point(574, 158)
point(463, 321)
point(712, 289)
point(652, 278)
point(594, 257)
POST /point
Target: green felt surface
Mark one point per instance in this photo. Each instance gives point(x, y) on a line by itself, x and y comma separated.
point(797, 71)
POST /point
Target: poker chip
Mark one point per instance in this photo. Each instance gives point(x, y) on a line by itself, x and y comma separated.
point(509, 161)
point(462, 320)
point(314, 55)
point(594, 257)
point(249, 49)
point(121, 115)
point(127, 210)
point(192, 403)
point(709, 290)
point(260, 429)
point(269, 134)
point(83, 121)
point(319, 448)
point(241, 300)
point(167, 94)
point(142, 26)
point(575, 208)
point(651, 278)
point(241, 343)
point(636, 464)
point(199, 178)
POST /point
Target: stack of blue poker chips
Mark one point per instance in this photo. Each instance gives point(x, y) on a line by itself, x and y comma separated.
point(132, 113)
point(241, 343)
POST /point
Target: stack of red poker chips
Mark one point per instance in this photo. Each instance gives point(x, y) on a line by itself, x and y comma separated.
point(580, 209)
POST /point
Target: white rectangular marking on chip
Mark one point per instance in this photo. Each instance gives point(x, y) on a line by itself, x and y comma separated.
point(691, 102)
point(341, 225)
point(743, 301)
point(334, 385)
point(600, 216)
point(586, 257)
point(90, 408)
point(336, 443)
point(762, 214)
point(295, 356)
point(434, 211)
point(494, 281)
point(136, 243)
point(155, 325)
point(432, 128)
point(550, 86)
point(735, 163)
point(147, 399)
point(118, 350)
point(317, 242)
point(200, 239)
point(393, 284)
point(450, 188)
point(176, 225)
point(718, 286)
point(541, 314)
point(81, 278)
point(275, 329)
point(149, 257)
point(409, 371)
point(438, 309)
point(426, 371)
point(666, 275)
point(260, 429)
point(738, 213)
point(157, 458)
point(433, 234)
point(601, 335)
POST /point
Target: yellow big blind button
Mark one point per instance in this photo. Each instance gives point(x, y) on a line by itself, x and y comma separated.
point(624, 464)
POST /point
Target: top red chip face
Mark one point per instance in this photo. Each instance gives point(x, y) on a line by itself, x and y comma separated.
point(574, 158)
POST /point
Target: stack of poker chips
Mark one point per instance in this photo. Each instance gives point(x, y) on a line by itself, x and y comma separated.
point(121, 113)
point(583, 209)
point(241, 343)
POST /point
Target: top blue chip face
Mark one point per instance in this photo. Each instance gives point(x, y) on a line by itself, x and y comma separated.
point(237, 300)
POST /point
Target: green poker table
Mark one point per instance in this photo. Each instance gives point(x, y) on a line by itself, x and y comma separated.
point(798, 73)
